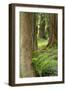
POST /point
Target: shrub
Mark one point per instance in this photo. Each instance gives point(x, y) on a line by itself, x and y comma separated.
point(45, 63)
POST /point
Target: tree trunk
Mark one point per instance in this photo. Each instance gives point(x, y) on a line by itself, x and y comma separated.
point(34, 33)
point(53, 30)
point(26, 69)
point(42, 27)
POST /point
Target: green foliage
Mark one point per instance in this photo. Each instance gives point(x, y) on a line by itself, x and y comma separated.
point(45, 62)
point(42, 42)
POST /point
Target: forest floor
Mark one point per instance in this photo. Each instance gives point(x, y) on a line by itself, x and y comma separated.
point(44, 60)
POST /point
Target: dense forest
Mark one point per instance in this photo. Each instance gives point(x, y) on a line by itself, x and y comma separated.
point(38, 44)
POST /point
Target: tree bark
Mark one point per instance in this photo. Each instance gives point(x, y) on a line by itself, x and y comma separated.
point(34, 33)
point(42, 27)
point(26, 69)
point(53, 30)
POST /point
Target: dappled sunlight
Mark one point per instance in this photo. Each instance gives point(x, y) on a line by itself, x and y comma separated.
point(42, 43)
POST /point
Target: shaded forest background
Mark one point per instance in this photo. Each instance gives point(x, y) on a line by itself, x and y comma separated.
point(38, 44)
